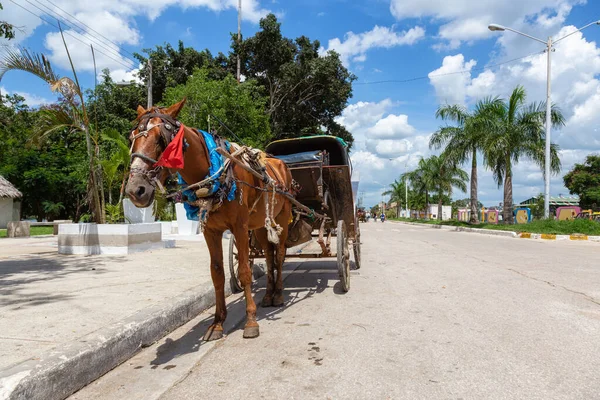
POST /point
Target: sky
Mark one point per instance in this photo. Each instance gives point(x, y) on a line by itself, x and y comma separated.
point(410, 56)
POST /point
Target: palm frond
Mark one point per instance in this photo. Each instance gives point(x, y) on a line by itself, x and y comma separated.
point(21, 59)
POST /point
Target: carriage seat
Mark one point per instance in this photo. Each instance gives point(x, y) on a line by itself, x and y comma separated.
point(304, 157)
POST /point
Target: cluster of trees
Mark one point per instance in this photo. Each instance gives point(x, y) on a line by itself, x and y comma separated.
point(502, 131)
point(70, 159)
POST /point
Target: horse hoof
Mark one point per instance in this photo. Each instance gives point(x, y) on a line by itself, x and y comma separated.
point(266, 302)
point(213, 333)
point(251, 332)
point(278, 301)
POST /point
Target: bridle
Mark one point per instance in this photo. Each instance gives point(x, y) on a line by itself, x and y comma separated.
point(168, 129)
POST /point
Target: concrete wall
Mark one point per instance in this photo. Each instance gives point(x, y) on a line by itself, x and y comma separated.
point(6, 212)
point(91, 239)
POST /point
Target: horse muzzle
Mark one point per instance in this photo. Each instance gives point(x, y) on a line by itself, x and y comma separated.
point(140, 191)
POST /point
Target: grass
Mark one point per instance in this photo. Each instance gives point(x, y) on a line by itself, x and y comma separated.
point(35, 231)
point(553, 227)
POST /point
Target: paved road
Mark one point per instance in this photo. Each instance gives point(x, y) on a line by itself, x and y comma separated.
point(431, 315)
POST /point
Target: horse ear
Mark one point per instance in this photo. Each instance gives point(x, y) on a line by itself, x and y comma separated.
point(174, 110)
point(140, 110)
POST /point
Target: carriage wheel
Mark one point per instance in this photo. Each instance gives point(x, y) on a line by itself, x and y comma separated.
point(343, 255)
point(234, 266)
point(356, 246)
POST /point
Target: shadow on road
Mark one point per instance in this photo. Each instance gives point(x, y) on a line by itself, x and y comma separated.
point(20, 278)
point(309, 279)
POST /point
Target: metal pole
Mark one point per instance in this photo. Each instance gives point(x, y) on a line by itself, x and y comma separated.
point(149, 84)
point(548, 132)
point(239, 37)
point(406, 188)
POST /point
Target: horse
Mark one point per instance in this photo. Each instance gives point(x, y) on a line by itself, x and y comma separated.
point(245, 212)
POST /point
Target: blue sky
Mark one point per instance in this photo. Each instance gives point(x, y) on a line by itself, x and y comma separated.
point(379, 40)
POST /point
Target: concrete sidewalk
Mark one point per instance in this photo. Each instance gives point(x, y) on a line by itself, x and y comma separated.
point(54, 308)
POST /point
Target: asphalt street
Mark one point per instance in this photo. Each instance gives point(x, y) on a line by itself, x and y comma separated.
point(432, 314)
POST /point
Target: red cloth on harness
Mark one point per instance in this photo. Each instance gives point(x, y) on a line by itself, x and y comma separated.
point(172, 157)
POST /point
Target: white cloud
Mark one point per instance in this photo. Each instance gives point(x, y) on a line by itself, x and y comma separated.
point(31, 100)
point(121, 75)
point(354, 47)
point(467, 20)
point(115, 21)
point(391, 127)
point(384, 144)
point(452, 88)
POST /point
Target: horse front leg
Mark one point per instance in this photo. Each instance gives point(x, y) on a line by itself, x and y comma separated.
point(215, 247)
point(243, 244)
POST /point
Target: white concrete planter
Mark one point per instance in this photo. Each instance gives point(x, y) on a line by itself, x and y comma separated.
point(134, 215)
point(89, 239)
point(185, 226)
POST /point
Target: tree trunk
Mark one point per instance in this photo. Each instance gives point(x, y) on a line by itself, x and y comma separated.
point(508, 195)
point(439, 217)
point(474, 208)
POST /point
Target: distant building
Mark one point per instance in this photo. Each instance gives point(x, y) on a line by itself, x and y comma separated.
point(10, 203)
point(555, 202)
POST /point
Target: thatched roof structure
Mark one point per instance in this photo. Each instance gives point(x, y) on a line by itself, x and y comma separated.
point(7, 189)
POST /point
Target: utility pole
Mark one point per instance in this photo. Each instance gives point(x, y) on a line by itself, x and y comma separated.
point(239, 37)
point(149, 84)
point(406, 187)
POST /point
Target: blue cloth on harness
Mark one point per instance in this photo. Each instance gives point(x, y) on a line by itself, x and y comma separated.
point(216, 162)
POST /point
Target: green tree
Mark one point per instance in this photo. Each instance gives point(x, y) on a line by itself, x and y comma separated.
point(115, 168)
point(305, 91)
point(173, 66)
point(69, 115)
point(53, 172)
point(584, 181)
point(422, 180)
point(446, 176)
point(519, 132)
point(241, 107)
point(114, 106)
point(464, 140)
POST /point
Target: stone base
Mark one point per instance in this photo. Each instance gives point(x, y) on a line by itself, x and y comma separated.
point(17, 229)
point(90, 239)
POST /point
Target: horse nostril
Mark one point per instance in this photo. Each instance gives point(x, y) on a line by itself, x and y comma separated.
point(140, 191)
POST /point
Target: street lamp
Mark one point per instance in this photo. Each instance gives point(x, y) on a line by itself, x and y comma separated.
point(548, 44)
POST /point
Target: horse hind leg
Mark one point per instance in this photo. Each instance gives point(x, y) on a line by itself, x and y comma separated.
point(240, 232)
point(215, 247)
point(283, 220)
point(268, 249)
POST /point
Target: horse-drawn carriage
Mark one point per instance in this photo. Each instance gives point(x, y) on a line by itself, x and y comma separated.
point(321, 169)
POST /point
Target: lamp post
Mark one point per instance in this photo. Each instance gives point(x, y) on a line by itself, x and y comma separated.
point(549, 43)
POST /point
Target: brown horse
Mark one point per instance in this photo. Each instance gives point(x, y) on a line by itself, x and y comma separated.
point(247, 212)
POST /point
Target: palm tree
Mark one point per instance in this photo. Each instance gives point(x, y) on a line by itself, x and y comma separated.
point(71, 114)
point(519, 132)
point(116, 168)
point(464, 140)
point(422, 180)
point(448, 175)
point(397, 194)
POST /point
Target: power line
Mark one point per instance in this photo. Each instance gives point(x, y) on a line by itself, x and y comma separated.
point(68, 33)
point(447, 73)
point(62, 19)
point(90, 28)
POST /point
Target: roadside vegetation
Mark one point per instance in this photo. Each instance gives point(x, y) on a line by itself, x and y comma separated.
point(553, 227)
point(35, 231)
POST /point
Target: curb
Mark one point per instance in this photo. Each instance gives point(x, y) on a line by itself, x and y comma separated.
point(545, 236)
point(493, 232)
point(62, 371)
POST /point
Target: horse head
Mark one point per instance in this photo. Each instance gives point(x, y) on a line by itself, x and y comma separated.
point(156, 128)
